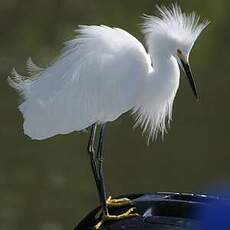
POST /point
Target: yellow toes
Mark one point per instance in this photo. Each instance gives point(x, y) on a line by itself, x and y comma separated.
point(118, 202)
point(128, 214)
point(125, 215)
point(115, 203)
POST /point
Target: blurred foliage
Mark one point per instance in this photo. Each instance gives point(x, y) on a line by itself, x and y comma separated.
point(48, 185)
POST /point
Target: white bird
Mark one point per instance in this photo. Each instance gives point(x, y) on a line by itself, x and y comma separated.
point(105, 72)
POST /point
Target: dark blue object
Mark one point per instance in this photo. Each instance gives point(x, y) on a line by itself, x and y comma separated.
point(158, 211)
point(215, 216)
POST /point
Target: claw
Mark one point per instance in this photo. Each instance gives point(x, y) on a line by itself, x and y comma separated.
point(128, 214)
point(118, 202)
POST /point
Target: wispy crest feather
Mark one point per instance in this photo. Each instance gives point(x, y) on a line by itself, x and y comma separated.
point(174, 23)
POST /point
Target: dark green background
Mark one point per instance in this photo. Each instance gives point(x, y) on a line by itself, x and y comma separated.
point(48, 185)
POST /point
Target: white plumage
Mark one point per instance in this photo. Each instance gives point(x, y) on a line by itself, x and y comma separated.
point(105, 72)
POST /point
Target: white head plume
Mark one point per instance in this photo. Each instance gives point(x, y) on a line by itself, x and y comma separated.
point(175, 26)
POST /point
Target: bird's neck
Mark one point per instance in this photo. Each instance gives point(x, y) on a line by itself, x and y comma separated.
point(161, 58)
point(162, 83)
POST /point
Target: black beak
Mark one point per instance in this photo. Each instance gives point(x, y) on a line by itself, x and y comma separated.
point(188, 72)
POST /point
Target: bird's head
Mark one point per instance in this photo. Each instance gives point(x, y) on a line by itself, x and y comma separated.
point(173, 33)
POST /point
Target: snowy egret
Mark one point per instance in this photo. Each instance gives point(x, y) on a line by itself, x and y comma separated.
point(105, 72)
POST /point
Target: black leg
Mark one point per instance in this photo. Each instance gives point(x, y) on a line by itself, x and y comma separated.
point(100, 158)
point(92, 156)
point(98, 170)
point(92, 138)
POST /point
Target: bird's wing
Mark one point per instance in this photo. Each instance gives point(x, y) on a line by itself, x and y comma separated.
point(96, 79)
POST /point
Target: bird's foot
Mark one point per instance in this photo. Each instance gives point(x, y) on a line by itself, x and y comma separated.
point(110, 202)
point(105, 218)
point(118, 202)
